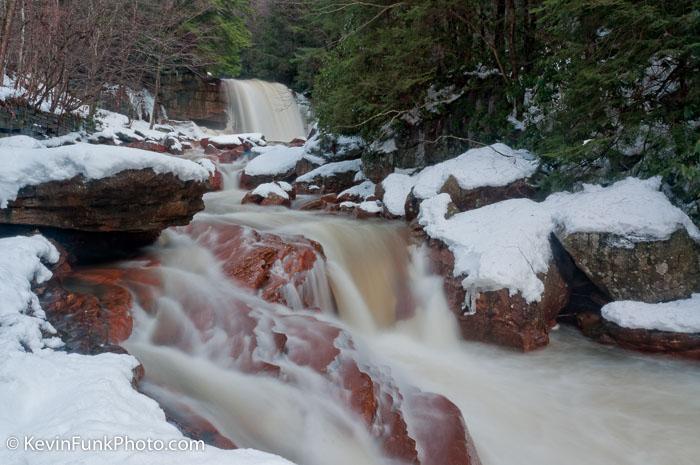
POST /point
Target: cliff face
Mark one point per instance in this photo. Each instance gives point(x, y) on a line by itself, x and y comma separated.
point(189, 97)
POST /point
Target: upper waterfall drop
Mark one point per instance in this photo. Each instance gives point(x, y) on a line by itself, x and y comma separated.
point(266, 107)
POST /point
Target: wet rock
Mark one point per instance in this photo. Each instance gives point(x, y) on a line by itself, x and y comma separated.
point(266, 263)
point(216, 181)
point(275, 194)
point(306, 165)
point(296, 142)
point(593, 325)
point(647, 271)
point(497, 316)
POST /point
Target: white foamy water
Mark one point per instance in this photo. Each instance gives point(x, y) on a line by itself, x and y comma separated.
point(266, 107)
point(574, 402)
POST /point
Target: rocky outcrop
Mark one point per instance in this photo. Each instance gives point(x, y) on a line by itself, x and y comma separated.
point(129, 201)
point(189, 97)
point(498, 316)
point(647, 271)
point(109, 215)
point(686, 345)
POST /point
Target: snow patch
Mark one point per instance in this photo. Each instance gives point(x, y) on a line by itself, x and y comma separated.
point(331, 169)
point(680, 316)
point(362, 191)
point(267, 189)
point(397, 186)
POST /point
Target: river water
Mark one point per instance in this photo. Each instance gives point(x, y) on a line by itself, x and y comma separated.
point(574, 402)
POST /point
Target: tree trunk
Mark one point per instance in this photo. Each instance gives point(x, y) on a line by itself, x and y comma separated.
point(6, 33)
point(154, 110)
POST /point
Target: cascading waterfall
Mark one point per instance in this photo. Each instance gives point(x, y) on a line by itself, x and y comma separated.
point(575, 402)
point(266, 107)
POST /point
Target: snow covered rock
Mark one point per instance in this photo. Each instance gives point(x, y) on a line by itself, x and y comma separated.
point(99, 189)
point(502, 278)
point(630, 240)
point(272, 193)
point(333, 147)
point(275, 163)
point(308, 163)
point(358, 193)
point(394, 191)
point(670, 327)
point(332, 177)
point(232, 141)
point(474, 179)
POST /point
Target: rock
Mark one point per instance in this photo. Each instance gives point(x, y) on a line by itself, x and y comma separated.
point(331, 177)
point(148, 145)
point(307, 165)
point(647, 271)
point(334, 147)
point(199, 99)
point(216, 181)
point(230, 155)
point(248, 181)
point(129, 201)
point(270, 199)
point(476, 198)
point(209, 149)
point(251, 258)
point(90, 309)
point(497, 316)
point(323, 202)
point(686, 345)
point(296, 142)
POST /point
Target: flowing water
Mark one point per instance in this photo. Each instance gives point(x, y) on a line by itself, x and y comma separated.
point(266, 107)
point(574, 402)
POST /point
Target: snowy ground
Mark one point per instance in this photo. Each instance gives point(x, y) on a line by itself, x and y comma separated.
point(680, 316)
point(58, 408)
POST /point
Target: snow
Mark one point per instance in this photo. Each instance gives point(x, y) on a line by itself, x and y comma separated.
point(680, 316)
point(48, 394)
point(371, 206)
point(397, 186)
point(633, 208)
point(362, 191)
point(30, 167)
point(237, 139)
point(506, 244)
point(267, 189)
point(20, 142)
point(278, 159)
point(331, 169)
point(503, 245)
point(21, 317)
point(495, 165)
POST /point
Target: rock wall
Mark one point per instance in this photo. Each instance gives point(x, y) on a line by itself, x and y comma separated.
point(17, 117)
point(190, 97)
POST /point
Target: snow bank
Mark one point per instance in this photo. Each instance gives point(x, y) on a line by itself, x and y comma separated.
point(680, 316)
point(265, 190)
point(30, 167)
point(371, 206)
point(49, 395)
point(633, 208)
point(397, 186)
point(20, 142)
point(503, 245)
point(278, 159)
point(506, 244)
point(21, 317)
point(331, 169)
point(495, 165)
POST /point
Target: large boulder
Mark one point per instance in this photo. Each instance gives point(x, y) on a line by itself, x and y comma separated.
point(504, 280)
point(129, 201)
point(647, 270)
point(274, 193)
point(275, 163)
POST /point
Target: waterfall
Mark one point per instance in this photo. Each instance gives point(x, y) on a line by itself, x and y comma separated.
point(266, 107)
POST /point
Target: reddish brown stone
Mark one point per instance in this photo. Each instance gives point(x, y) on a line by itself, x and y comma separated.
point(685, 345)
point(148, 145)
point(470, 199)
point(216, 181)
point(296, 142)
point(497, 316)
